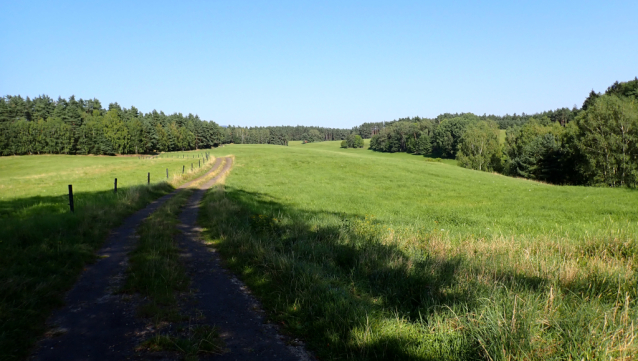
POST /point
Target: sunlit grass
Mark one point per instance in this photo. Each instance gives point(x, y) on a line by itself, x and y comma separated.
point(407, 190)
point(49, 175)
point(388, 256)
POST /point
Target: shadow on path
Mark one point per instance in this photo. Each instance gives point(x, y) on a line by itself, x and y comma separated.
point(96, 322)
point(223, 299)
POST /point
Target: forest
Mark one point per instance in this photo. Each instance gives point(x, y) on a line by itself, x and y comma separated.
point(76, 126)
point(41, 125)
point(596, 144)
point(280, 135)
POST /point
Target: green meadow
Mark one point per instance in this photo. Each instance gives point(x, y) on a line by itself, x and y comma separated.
point(406, 190)
point(44, 247)
point(370, 255)
point(48, 175)
point(362, 255)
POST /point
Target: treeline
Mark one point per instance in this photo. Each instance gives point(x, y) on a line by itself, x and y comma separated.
point(75, 126)
point(596, 144)
point(561, 116)
point(42, 125)
point(280, 135)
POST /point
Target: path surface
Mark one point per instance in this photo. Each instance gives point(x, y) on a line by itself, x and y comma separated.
point(96, 323)
point(221, 298)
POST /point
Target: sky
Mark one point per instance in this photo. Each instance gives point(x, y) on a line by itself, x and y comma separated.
point(324, 63)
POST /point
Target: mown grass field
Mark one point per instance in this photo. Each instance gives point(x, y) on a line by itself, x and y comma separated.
point(392, 256)
point(48, 175)
point(43, 247)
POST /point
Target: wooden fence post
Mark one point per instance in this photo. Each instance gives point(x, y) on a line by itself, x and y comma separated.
point(115, 186)
point(149, 177)
point(183, 167)
point(71, 198)
point(166, 173)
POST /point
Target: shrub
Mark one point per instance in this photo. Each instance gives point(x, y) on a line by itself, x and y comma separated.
point(358, 142)
point(353, 141)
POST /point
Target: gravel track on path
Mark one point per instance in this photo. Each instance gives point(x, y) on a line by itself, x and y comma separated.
point(224, 300)
point(96, 322)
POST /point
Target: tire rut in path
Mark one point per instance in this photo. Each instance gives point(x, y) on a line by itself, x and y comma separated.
point(96, 323)
point(222, 299)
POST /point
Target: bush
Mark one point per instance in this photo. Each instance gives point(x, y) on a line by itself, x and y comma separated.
point(352, 141)
point(358, 142)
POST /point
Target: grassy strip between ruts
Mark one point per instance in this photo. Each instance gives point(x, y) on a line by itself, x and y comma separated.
point(357, 289)
point(43, 250)
point(157, 273)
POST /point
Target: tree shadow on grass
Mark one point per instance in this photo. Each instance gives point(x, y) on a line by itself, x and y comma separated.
point(43, 249)
point(324, 280)
point(352, 294)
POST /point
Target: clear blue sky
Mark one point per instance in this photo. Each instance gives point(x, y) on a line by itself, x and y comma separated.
point(330, 63)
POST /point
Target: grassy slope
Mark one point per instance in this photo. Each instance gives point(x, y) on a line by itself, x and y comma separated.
point(43, 247)
point(389, 256)
point(405, 189)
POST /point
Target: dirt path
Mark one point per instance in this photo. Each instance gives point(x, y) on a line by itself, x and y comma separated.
point(222, 298)
point(96, 323)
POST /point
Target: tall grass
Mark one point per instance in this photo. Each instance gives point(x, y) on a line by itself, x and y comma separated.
point(358, 289)
point(385, 256)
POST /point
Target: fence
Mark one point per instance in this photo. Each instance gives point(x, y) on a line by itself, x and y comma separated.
point(205, 156)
